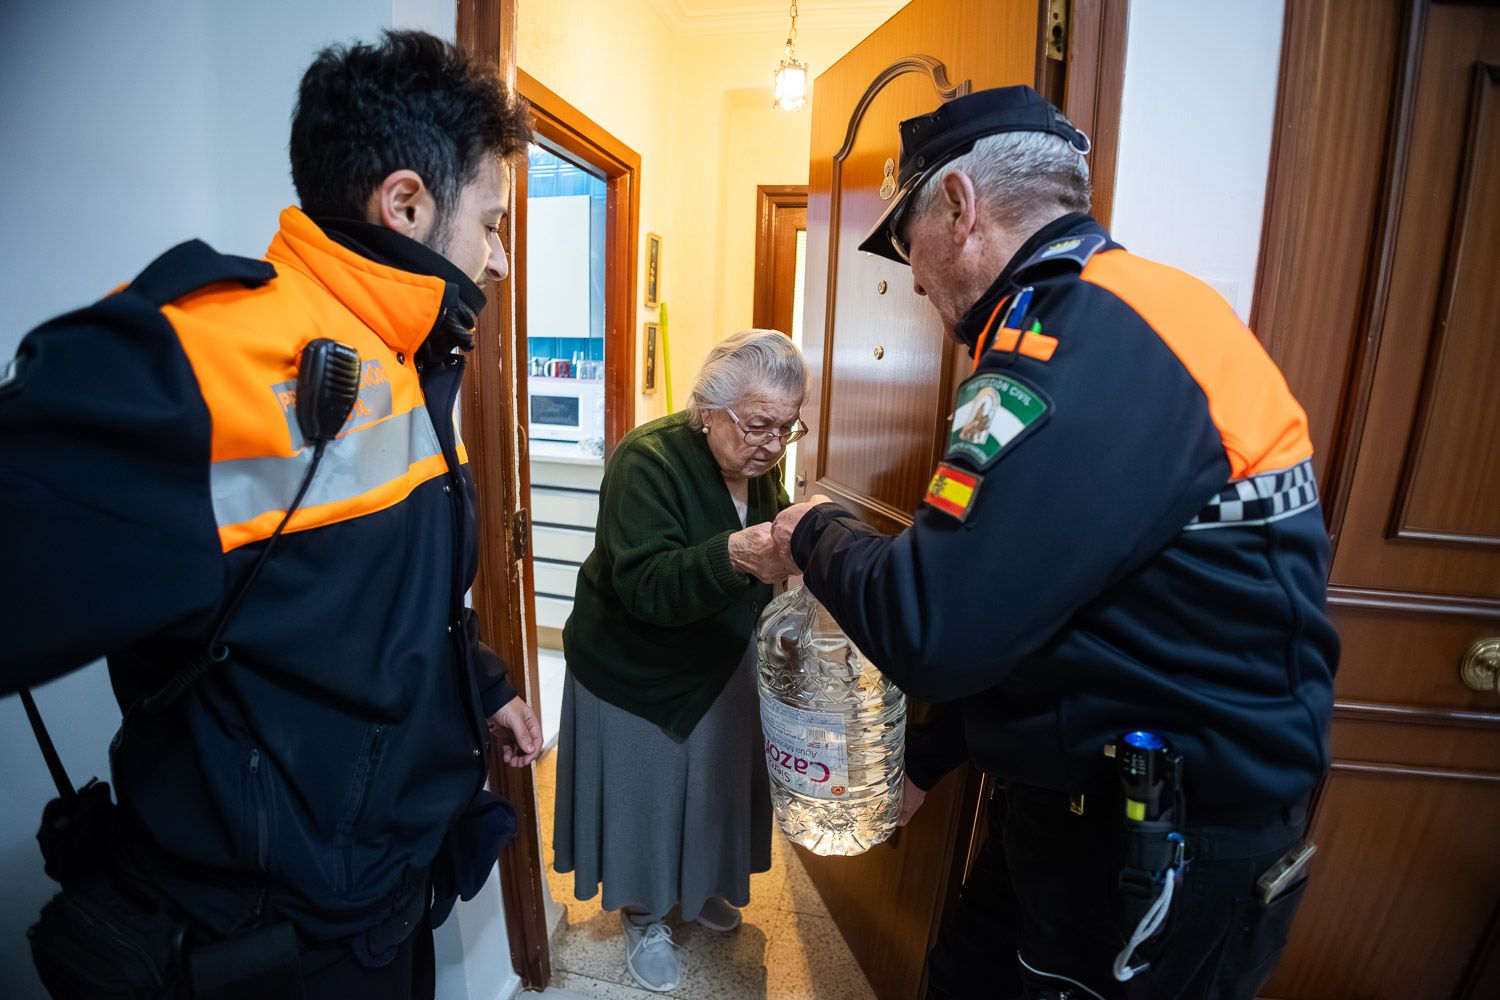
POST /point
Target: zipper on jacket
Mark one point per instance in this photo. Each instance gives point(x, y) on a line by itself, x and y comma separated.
point(371, 755)
point(468, 682)
point(261, 803)
point(262, 826)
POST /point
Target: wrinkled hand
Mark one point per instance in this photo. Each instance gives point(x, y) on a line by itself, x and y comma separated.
point(515, 729)
point(754, 551)
point(911, 800)
point(787, 520)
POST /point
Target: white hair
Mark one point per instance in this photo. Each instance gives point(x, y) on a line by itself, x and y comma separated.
point(1021, 178)
point(748, 361)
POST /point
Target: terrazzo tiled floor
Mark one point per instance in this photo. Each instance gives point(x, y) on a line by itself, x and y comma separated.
point(787, 949)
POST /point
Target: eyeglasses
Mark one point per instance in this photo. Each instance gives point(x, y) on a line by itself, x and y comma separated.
point(760, 437)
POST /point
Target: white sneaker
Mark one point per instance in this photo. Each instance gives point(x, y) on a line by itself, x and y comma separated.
point(650, 954)
point(719, 915)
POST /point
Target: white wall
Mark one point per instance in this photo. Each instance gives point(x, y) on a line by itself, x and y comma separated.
point(128, 128)
point(614, 60)
point(557, 266)
point(1195, 137)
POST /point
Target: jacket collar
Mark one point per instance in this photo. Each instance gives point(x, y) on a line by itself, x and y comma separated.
point(400, 304)
point(972, 324)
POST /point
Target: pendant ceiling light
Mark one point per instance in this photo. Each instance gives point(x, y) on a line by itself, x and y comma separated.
point(791, 75)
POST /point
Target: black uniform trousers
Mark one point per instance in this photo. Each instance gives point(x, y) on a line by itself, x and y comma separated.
point(1037, 917)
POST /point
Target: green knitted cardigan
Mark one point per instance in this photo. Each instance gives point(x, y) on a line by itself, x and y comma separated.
point(660, 617)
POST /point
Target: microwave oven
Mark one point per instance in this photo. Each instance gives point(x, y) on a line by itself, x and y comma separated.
point(566, 409)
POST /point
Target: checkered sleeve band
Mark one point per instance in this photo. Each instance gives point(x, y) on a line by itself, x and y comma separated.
point(1260, 499)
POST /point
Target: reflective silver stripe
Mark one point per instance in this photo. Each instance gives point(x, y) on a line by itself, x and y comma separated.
point(245, 488)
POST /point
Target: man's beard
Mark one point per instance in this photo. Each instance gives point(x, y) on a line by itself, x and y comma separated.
point(441, 236)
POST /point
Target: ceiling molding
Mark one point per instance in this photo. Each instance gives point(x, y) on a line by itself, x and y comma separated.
point(686, 19)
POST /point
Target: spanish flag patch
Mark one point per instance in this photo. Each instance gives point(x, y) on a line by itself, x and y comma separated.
point(952, 491)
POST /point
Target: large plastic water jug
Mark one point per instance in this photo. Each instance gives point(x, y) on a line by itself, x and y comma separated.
point(835, 731)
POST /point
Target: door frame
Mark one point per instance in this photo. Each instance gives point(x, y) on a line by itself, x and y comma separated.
point(571, 132)
point(773, 202)
point(493, 420)
point(1092, 87)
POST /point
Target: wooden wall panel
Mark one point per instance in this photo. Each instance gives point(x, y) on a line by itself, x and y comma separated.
point(1411, 656)
point(1378, 297)
point(1332, 142)
point(1407, 335)
point(1403, 848)
point(1454, 453)
point(1093, 88)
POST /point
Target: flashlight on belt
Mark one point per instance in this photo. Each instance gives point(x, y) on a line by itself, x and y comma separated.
point(1153, 841)
point(1151, 775)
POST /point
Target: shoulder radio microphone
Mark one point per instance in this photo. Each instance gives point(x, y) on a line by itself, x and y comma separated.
point(328, 379)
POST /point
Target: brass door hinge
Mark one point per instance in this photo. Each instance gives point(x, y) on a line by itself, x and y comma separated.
point(520, 532)
point(1056, 30)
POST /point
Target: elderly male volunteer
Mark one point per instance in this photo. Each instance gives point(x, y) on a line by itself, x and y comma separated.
point(307, 703)
point(1113, 589)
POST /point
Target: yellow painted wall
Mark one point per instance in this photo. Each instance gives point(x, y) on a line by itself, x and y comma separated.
point(698, 111)
point(613, 60)
point(745, 142)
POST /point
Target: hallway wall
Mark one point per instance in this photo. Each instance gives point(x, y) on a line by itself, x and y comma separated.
point(1195, 137)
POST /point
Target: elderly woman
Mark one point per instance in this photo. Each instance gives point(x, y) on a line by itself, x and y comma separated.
point(662, 793)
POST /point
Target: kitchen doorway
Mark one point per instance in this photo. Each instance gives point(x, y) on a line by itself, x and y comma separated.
point(577, 211)
point(566, 362)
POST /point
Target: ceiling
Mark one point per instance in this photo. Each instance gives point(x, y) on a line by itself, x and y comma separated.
point(722, 17)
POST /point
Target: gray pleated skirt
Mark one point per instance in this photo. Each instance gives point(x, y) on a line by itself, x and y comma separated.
point(656, 820)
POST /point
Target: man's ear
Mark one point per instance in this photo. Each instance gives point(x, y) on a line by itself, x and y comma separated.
point(960, 205)
point(403, 203)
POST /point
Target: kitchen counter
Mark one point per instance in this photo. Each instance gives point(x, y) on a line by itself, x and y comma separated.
point(563, 451)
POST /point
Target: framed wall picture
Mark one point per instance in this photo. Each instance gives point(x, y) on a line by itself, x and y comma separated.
point(653, 270)
point(648, 375)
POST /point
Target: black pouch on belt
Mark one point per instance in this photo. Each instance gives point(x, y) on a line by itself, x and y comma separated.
point(105, 934)
point(1149, 851)
point(96, 941)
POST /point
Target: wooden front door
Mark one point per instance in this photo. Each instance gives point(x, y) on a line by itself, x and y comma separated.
point(1383, 246)
point(883, 373)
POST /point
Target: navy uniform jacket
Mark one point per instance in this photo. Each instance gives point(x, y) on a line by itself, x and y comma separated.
point(148, 450)
point(1124, 534)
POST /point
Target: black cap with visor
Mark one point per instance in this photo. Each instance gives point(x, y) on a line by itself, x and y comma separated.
point(929, 141)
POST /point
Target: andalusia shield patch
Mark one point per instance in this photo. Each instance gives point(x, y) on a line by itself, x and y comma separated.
point(993, 412)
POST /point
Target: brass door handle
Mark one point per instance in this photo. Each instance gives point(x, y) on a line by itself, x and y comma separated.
point(1480, 668)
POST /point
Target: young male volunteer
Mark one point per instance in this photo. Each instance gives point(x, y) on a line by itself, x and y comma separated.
point(281, 599)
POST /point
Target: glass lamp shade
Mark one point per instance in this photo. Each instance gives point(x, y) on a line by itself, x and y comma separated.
point(791, 84)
